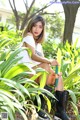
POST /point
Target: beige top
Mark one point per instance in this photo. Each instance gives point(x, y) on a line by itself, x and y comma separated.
point(24, 54)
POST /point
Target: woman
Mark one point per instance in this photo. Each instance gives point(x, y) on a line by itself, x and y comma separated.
point(33, 37)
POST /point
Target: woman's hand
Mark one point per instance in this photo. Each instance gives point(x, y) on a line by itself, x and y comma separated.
point(54, 63)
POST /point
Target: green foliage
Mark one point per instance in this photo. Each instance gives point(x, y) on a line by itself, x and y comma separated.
point(68, 57)
point(10, 39)
point(8, 101)
point(49, 48)
point(70, 67)
point(20, 88)
point(17, 86)
point(54, 26)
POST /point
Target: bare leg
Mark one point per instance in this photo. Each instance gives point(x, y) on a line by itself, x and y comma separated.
point(49, 70)
point(60, 84)
point(44, 66)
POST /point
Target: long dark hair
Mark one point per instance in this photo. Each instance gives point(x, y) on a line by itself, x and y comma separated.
point(31, 23)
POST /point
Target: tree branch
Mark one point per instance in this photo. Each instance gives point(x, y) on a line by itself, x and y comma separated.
point(14, 5)
point(49, 13)
point(26, 15)
point(26, 18)
point(15, 13)
point(47, 5)
point(26, 5)
point(11, 5)
point(31, 6)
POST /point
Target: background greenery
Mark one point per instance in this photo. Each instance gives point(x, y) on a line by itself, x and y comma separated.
point(17, 88)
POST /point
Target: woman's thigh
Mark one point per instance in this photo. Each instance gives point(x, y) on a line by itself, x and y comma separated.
point(50, 78)
point(44, 66)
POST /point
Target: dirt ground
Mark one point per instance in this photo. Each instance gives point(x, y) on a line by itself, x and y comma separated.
point(69, 112)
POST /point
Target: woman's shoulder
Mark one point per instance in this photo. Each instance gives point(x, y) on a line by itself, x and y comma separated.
point(29, 34)
point(29, 39)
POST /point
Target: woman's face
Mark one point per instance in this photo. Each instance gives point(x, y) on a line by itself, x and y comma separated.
point(37, 29)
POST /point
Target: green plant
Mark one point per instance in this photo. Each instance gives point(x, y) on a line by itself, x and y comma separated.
point(17, 87)
point(70, 67)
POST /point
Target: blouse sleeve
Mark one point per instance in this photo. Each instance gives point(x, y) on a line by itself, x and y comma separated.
point(29, 40)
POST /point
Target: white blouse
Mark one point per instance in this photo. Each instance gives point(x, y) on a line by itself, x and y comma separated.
point(24, 54)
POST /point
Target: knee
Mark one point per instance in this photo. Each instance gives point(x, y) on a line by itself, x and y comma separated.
point(46, 67)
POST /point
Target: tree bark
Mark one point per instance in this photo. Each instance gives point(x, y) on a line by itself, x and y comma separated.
point(25, 20)
point(17, 21)
point(70, 9)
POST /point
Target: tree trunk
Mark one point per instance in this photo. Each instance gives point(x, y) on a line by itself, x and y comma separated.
point(13, 6)
point(70, 10)
point(17, 21)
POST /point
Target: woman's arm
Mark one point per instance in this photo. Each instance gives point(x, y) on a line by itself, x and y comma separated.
point(28, 42)
point(35, 56)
